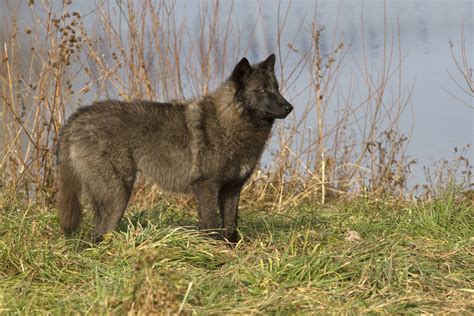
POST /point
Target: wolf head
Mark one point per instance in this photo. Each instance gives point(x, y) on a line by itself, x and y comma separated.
point(257, 90)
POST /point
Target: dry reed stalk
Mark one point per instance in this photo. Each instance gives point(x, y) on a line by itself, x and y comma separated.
point(464, 69)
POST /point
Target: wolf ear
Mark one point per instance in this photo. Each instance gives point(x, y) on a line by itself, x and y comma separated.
point(269, 63)
point(241, 72)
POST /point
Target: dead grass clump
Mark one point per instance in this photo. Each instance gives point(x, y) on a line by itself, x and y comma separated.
point(152, 293)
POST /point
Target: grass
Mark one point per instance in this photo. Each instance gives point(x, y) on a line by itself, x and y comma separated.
point(362, 256)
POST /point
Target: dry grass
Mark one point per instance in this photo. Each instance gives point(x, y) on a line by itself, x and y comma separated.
point(407, 258)
point(341, 142)
point(464, 71)
point(375, 253)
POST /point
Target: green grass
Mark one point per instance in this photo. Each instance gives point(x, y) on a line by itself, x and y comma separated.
point(410, 258)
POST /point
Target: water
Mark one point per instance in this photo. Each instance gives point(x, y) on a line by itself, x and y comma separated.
point(440, 121)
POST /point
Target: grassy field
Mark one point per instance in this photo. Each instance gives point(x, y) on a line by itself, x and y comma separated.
point(363, 256)
point(359, 256)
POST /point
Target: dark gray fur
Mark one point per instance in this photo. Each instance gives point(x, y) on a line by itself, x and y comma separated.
point(208, 147)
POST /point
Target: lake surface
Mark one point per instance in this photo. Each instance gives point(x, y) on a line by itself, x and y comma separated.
point(440, 121)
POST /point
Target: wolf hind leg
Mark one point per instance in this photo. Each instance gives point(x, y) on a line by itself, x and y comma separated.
point(109, 211)
point(109, 198)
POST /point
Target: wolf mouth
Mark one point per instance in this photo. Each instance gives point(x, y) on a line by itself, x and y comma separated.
point(273, 115)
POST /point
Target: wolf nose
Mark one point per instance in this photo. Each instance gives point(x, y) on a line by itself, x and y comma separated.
point(288, 108)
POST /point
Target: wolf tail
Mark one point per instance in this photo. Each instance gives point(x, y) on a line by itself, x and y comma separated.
point(69, 191)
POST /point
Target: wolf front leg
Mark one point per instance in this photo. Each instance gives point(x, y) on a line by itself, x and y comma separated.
point(229, 196)
point(206, 192)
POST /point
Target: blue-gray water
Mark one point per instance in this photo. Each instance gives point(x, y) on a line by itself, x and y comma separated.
point(441, 122)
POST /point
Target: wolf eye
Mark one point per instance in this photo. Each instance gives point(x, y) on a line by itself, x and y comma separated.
point(261, 90)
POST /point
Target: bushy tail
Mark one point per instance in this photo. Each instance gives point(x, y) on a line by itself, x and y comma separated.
point(69, 191)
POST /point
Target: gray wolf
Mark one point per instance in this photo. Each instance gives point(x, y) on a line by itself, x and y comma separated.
point(208, 147)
